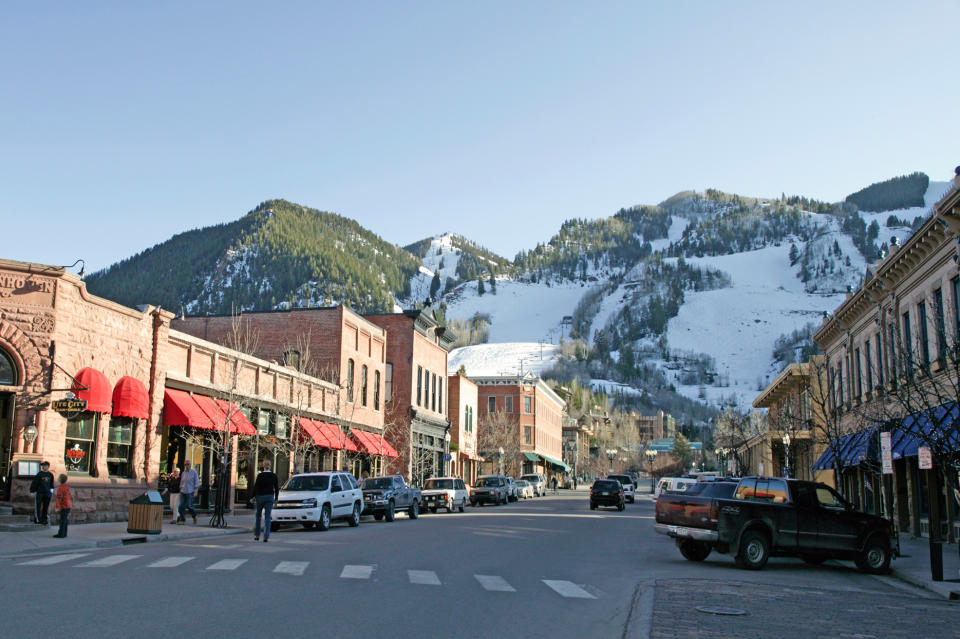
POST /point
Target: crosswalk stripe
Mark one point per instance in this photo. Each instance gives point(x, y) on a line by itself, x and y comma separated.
point(53, 559)
point(170, 562)
point(424, 577)
point(292, 567)
point(227, 564)
point(356, 572)
point(106, 562)
point(568, 589)
point(495, 584)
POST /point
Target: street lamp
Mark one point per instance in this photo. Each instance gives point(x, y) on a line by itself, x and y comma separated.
point(500, 450)
point(651, 458)
point(446, 454)
point(786, 455)
point(611, 455)
point(30, 432)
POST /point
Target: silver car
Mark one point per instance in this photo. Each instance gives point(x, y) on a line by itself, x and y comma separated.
point(525, 489)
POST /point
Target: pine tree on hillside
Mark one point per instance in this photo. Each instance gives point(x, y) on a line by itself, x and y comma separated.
point(480, 286)
point(435, 285)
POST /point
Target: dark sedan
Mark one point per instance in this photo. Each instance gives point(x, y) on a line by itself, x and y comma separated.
point(606, 492)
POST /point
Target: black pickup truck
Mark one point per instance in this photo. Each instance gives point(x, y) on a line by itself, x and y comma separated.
point(384, 496)
point(770, 516)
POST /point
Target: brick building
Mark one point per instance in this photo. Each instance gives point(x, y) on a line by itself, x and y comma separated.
point(417, 410)
point(144, 396)
point(535, 416)
point(335, 344)
point(463, 427)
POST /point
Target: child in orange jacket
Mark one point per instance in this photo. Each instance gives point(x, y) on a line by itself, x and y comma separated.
point(64, 503)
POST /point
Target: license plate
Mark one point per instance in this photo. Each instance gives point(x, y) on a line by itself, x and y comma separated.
point(681, 531)
point(604, 493)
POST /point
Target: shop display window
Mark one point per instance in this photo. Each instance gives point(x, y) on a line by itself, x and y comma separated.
point(79, 444)
point(120, 447)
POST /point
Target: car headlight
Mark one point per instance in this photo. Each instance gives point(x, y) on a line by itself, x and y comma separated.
point(309, 503)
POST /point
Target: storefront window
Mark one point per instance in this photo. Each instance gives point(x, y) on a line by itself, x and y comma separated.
point(8, 374)
point(263, 422)
point(78, 447)
point(120, 447)
point(282, 422)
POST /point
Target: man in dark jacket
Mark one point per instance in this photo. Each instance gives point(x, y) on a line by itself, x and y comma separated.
point(266, 490)
point(42, 485)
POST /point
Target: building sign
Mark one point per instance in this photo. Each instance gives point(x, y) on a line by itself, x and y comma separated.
point(886, 453)
point(69, 406)
point(27, 289)
point(925, 458)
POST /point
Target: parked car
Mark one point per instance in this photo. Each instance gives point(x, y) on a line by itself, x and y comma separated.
point(445, 492)
point(539, 483)
point(606, 492)
point(513, 493)
point(317, 499)
point(384, 496)
point(489, 489)
point(673, 484)
point(692, 509)
point(628, 485)
point(770, 516)
point(525, 489)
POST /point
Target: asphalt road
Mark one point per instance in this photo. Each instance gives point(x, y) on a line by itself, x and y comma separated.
point(547, 567)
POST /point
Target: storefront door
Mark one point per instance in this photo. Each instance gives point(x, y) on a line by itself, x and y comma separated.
point(6, 442)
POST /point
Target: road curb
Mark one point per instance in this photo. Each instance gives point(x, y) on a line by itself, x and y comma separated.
point(924, 585)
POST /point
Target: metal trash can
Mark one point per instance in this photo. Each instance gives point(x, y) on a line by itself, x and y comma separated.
point(145, 514)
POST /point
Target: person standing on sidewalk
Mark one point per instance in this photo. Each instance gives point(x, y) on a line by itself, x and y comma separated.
point(42, 485)
point(189, 485)
point(63, 503)
point(266, 490)
point(554, 482)
point(173, 490)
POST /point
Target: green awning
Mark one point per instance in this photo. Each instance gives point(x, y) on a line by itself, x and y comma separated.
point(532, 457)
point(556, 462)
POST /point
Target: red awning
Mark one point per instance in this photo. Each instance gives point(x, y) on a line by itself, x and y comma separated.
point(373, 443)
point(315, 432)
point(93, 386)
point(239, 422)
point(338, 439)
point(179, 409)
point(130, 399)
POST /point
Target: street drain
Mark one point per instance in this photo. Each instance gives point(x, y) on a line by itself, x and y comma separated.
point(720, 610)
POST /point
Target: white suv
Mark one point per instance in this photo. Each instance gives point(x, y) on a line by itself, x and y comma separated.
point(445, 492)
point(628, 488)
point(316, 499)
point(538, 482)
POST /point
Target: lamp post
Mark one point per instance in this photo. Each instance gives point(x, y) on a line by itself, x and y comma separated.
point(611, 455)
point(786, 455)
point(30, 432)
point(446, 454)
point(651, 458)
point(500, 450)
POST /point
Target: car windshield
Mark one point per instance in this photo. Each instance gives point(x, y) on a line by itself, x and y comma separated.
point(377, 483)
point(489, 481)
point(307, 482)
point(438, 484)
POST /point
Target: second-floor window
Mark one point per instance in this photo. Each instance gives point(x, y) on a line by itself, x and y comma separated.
point(527, 434)
point(491, 404)
point(350, 380)
point(907, 353)
point(892, 347)
point(879, 360)
point(869, 358)
point(941, 325)
point(419, 385)
point(388, 383)
point(924, 337)
point(508, 404)
point(440, 395)
point(363, 385)
point(856, 358)
point(376, 390)
point(527, 403)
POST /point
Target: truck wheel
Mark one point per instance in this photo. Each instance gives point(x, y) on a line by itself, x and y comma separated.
point(324, 523)
point(414, 510)
point(378, 516)
point(754, 550)
point(875, 558)
point(462, 504)
point(389, 514)
point(694, 550)
point(354, 520)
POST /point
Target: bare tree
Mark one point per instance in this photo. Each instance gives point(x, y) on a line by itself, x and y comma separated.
point(733, 430)
point(500, 431)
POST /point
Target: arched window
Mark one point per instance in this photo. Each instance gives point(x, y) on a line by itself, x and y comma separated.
point(8, 372)
point(349, 380)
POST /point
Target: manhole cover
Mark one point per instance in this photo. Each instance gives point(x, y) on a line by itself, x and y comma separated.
point(719, 610)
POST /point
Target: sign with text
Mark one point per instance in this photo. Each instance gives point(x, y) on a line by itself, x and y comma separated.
point(886, 453)
point(925, 458)
point(70, 405)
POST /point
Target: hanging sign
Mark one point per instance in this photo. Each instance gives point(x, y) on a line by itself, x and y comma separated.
point(925, 458)
point(69, 406)
point(886, 453)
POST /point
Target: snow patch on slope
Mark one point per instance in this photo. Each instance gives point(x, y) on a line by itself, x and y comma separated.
point(507, 358)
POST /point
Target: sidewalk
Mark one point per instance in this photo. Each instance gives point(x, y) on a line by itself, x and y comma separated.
point(86, 536)
point(913, 567)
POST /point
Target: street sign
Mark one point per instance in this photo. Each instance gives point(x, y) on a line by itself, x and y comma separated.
point(886, 453)
point(925, 457)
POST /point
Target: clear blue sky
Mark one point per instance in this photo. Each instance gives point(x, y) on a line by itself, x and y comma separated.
point(124, 123)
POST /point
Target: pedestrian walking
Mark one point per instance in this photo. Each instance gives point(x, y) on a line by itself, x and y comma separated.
point(42, 486)
point(173, 492)
point(189, 485)
point(554, 480)
point(266, 490)
point(574, 482)
point(64, 504)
